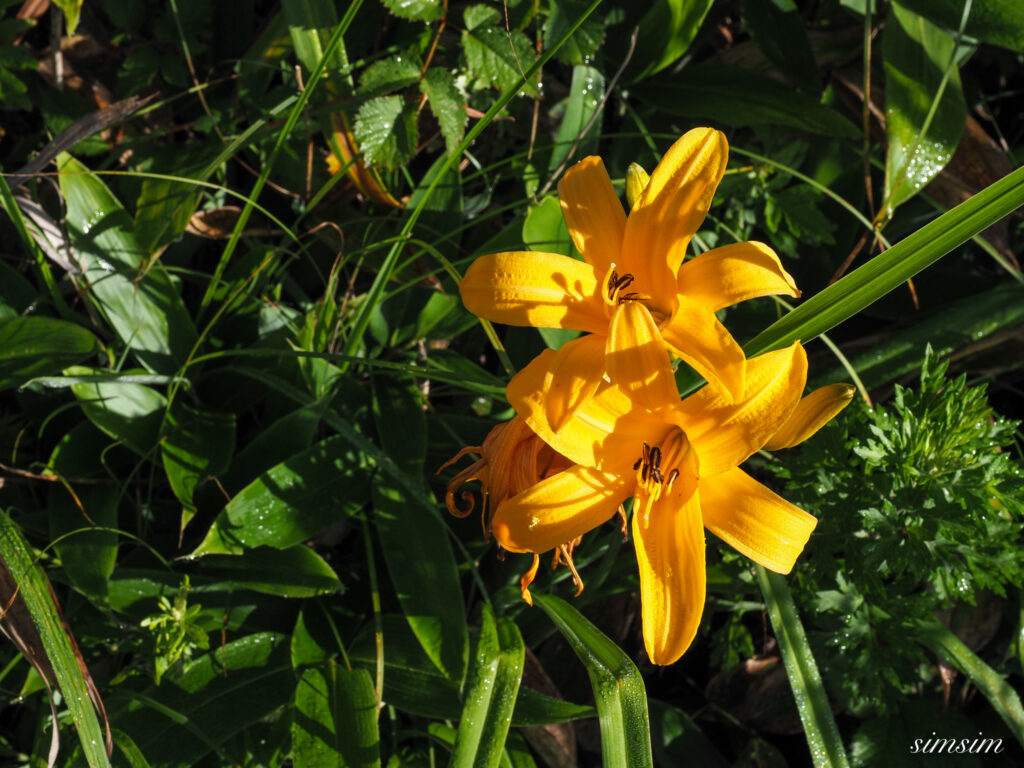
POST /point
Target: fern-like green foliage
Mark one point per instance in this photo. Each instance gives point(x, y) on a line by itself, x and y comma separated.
point(920, 502)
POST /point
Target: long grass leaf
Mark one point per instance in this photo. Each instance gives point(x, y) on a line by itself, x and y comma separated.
point(618, 687)
point(811, 701)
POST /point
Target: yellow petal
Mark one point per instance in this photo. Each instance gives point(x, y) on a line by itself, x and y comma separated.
point(670, 555)
point(811, 414)
point(546, 290)
point(695, 334)
point(560, 508)
point(724, 433)
point(608, 430)
point(572, 378)
point(754, 520)
point(672, 207)
point(593, 213)
point(636, 358)
point(636, 182)
point(733, 273)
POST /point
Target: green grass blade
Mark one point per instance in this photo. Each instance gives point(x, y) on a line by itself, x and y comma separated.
point(811, 702)
point(335, 721)
point(898, 264)
point(35, 589)
point(618, 687)
point(1001, 696)
point(490, 694)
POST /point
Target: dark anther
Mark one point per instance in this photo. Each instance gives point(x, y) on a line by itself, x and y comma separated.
point(631, 296)
point(644, 471)
point(655, 457)
point(613, 283)
point(637, 463)
point(672, 476)
point(657, 476)
point(624, 281)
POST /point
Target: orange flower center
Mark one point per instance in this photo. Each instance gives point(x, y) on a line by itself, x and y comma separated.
point(658, 468)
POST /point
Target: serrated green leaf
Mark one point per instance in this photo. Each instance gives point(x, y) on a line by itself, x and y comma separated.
point(386, 131)
point(389, 75)
point(447, 105)
point(416, 10)
point(292, 501)
point(922, 138)
point(36, 346)
point(584, 43)
point(497, 57)
point(335, 718)
point(740, 97)
point(1000, 22)
point(618, 687)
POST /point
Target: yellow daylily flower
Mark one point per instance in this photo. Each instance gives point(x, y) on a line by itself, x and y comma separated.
point(680, 461)
point(634, 260)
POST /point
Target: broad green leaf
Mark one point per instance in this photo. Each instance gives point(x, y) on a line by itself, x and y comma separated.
point(812, 703)
point(310, 24)
point(490, 693)
point(1000, 22)
point(197, 710)
point(36, 346)
point(289, 435)
point(35, 589)
point(585, 93)
point(544, 228)
point(740, 97)
point(413, 684)
point(447, 105)
point(666, 31)
point(87, 557)
point(416, 547)
point(132, 754)
point(1000, 694)
point(678, 740)
point(297, 571)
point(128, 412)
point(416, 10)
point(924, 104)
point(618, 687)
point(196, 445)
point(893, 267)
point(71, 9)
point(292, 501)
point(898, 740)
point(583, 44)
point(389, 75)
point(335, 720)
point(386, 131)
point(781, 34)
point(497, 57)
point(139, 300)
point(312, 640)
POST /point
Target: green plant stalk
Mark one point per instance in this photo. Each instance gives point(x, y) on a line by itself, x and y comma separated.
point(11, 206)
point(36, 591)
point(618, 687)
point(811, 701)
point(362, 319)
point(293, 118)
point(1004, 700)
point(895, 266)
